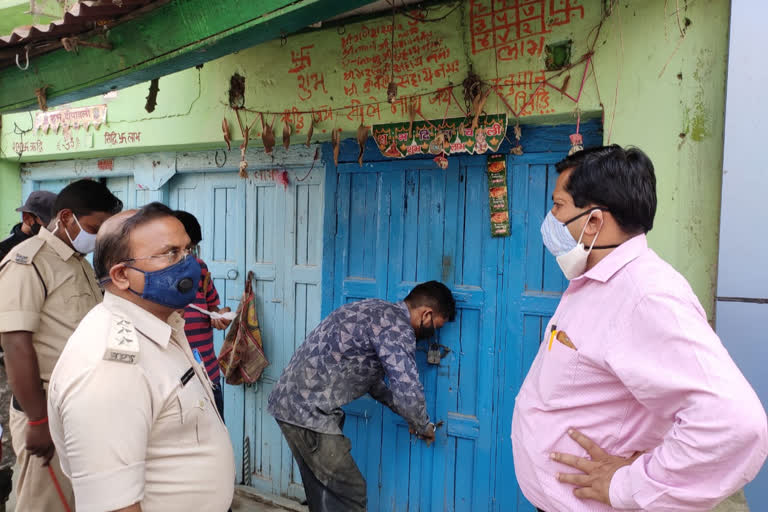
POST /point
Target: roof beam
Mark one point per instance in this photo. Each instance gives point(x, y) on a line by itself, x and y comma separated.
point(177, 35)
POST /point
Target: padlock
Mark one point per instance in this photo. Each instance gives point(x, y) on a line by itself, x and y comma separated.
point(433, 355)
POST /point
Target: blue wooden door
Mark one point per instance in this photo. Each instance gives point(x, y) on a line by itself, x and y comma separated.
point(281, 241)
point(125, 189)
point(532, 287)
point(404, 222)
point(401, 223)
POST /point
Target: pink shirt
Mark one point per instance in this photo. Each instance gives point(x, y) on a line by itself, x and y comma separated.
point(646, 373)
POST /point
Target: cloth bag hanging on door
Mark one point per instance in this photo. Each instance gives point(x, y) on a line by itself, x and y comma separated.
point(242, 356)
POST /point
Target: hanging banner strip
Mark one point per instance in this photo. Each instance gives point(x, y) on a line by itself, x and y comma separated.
point(81, 117)
point(449, 136)
point(498, 195)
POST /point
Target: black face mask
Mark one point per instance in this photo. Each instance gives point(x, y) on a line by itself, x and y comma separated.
point(35, 228)
point(425, 332)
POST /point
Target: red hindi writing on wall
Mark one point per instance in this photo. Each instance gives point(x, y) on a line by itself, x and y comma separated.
point(515, 28)
point(301, 60)
point(68, 143)
point(308, 81)
point(414, 58)
point(35, 146)
point(120, 138)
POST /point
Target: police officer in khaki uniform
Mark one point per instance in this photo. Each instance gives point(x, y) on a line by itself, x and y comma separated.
point(131, 408)
point(48, 287)
point(35, 214)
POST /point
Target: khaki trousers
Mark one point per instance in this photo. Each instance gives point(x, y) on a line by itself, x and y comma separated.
point(35, 490)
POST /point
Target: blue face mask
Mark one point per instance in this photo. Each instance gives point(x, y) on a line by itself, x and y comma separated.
point(174, 286)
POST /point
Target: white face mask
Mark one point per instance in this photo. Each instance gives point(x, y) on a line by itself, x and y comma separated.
point(571, 255)
point(84, 242)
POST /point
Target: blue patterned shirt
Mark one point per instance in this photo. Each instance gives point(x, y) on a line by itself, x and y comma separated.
point(347, 356)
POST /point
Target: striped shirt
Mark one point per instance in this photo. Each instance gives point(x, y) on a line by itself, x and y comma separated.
point(198, 325)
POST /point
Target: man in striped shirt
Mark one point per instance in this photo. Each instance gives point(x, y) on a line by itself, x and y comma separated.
point(199, 326)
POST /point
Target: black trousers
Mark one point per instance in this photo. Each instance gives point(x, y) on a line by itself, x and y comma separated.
point(332, 481)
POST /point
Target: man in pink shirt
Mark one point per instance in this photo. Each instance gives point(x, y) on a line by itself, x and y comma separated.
point(632, 402)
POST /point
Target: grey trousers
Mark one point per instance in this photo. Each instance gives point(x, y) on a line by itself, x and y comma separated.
point(332, 481)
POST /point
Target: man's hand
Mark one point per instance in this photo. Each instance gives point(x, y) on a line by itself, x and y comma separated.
point(428, 435)
point(221, 323)
point(39, 443)
point(595, 482)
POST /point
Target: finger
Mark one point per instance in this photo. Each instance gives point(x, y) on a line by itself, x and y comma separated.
point(575, 479)
point(592, 448)
point(50, 455)
point(579, 463)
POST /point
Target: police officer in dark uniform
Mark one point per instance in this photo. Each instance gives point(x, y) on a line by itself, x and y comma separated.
point(35, 213)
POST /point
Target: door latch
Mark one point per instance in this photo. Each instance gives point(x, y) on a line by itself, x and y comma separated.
point(436, 353)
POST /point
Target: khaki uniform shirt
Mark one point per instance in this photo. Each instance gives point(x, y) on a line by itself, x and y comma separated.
point(46, 288)
point(133, 418)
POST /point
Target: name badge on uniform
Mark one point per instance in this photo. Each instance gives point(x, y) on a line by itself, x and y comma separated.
point(187, 376)
point(122, 342)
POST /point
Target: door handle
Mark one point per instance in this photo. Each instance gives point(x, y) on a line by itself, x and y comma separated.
point(232, 274)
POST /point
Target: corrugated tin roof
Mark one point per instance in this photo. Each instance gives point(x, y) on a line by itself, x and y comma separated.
point(83, 17)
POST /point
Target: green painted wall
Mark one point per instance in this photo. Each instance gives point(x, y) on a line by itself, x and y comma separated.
point(677, 117)
point(337, 66)
point(10, 195)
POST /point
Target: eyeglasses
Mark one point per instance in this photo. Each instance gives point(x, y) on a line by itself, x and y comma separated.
point(172, 256)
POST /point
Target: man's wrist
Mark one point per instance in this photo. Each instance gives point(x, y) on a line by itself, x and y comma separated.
point(620, 491)
point(38, 422)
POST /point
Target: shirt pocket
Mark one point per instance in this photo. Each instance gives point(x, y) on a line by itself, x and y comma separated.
point(558, 368)
point(192, 405)
point(70, 297)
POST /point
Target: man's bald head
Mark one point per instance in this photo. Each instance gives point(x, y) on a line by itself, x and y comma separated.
point(113, 243)
point(114, 223)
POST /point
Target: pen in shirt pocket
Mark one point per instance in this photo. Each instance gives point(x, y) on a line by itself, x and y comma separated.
point(199, 360)
point(553, 332)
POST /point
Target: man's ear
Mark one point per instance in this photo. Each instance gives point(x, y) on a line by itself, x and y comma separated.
point(595, 222)
point(66, 216)
point(118, 274)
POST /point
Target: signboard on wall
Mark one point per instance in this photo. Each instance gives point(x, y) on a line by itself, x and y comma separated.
point(81, 117)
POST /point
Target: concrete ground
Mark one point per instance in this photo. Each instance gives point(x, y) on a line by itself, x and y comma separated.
point(247, 500)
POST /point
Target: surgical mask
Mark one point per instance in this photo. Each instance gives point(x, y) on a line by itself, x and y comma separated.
point(174, 286)
point(425, 332)
point(571, 255)
point(84, 242)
